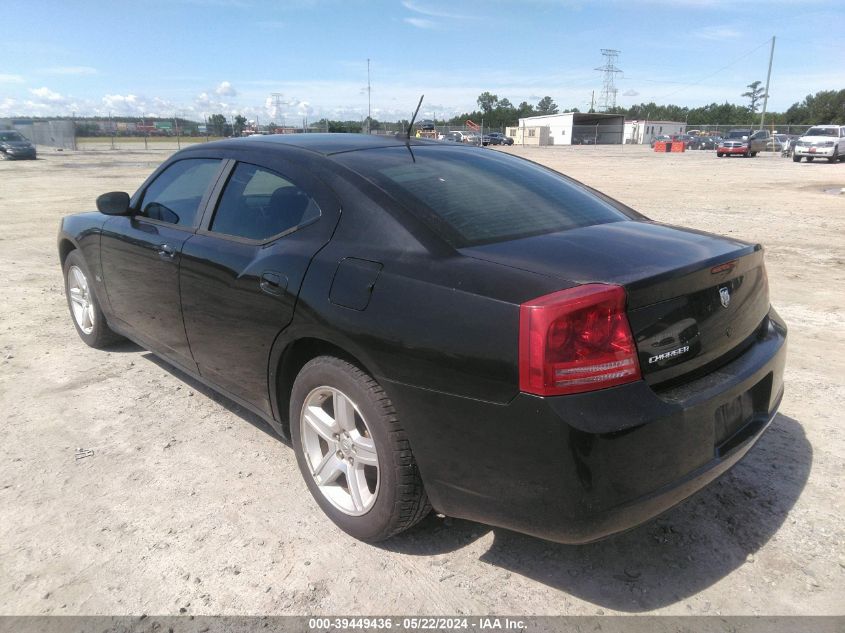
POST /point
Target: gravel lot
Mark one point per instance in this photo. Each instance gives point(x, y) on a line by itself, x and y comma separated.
point(191, 505)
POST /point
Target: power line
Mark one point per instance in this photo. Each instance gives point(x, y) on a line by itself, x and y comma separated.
point(716, 72)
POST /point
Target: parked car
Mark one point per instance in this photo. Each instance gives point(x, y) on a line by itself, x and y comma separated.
point(743, 143)
point(686, 138)
point(457, 137)
point(703, 142)
point(14, 146)
point(821, 141)
point(497, 138)
point(568, 371)
point(660, 138)
point(472, 138)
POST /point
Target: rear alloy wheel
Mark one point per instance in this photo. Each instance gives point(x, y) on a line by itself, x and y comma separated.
point(84, 308)
point(353, 452)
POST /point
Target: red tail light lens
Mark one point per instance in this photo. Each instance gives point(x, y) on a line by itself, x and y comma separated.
point(576, 340)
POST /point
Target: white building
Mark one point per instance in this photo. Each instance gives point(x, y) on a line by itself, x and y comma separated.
point(643, 132)
point(575, 128)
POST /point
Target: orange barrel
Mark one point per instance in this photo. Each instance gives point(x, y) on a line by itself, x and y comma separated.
point(679, 146)
point(660, 146)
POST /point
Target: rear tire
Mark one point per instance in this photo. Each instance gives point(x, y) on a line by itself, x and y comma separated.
point(85, 311)
point(719, 154)
point(810, 159)
point(353, 452)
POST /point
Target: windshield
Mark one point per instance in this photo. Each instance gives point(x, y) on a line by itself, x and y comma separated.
point(738, 133)
point(10, 136)
point(474, 197)
point(822, 131)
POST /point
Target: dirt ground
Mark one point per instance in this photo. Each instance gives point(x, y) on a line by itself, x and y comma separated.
point(189, 504)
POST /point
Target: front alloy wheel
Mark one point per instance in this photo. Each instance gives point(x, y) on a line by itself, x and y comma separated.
point(81, 302)
point(88, 318)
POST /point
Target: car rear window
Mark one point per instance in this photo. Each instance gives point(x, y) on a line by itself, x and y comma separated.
point(479, 196)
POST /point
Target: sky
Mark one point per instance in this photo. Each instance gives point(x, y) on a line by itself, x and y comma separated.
point(194, 58)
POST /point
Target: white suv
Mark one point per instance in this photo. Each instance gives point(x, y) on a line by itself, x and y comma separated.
point(826, 141)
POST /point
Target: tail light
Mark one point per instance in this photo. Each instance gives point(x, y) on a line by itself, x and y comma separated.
point(576, 340)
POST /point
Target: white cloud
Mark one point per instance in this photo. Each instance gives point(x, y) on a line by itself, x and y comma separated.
point(71, 70)
point(44, 94)
point(225, 89)
point(630, 93)
point(7, 107)
point(10, 79)
point(434, 13)
point(420, 23)
point(717, 33)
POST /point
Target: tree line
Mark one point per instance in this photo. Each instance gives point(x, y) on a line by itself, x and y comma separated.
point(827, 106)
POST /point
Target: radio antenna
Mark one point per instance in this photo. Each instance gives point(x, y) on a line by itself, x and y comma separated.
point(414, 118)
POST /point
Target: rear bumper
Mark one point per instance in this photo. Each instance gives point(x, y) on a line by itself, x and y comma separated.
point(578, 468)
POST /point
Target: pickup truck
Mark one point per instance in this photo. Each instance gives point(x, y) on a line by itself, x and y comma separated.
point(743, 142)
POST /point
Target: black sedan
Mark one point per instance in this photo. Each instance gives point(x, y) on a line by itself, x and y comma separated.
point(434, 325)
point(14, 146)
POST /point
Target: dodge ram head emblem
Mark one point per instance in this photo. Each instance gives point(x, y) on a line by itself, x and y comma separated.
point(725, 296)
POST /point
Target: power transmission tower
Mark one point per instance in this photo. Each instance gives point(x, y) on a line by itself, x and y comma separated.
point(277, 105)
point(607, 100)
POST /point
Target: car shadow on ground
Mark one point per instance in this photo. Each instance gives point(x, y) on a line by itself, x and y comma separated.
point(228, 404)
point(668, 559)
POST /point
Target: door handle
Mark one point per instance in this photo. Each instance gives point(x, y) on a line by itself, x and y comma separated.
point(273, 283)
point(166, 252)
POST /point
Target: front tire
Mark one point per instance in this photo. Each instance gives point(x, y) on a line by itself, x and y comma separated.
point(353, 452)
point(835, 157)
point(796, 158)
point(85, 311)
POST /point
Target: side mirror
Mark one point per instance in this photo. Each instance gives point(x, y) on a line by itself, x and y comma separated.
point(113, 203)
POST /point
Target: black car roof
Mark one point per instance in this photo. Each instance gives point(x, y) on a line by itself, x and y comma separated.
point(325, 144)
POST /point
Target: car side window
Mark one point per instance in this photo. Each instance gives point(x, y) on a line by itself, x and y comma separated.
point(258, 204)
point(175, 195)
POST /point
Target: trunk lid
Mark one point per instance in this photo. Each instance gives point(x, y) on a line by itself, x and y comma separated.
point(695, 300)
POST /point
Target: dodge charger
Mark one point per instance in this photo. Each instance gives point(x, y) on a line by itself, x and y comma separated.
point(440, 326)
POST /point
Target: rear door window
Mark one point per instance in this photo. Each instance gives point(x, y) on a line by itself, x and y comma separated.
point(176, 193)
point(258, 204)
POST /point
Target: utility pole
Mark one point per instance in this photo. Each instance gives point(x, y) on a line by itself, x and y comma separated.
point(369, 97)
point(768, 78)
